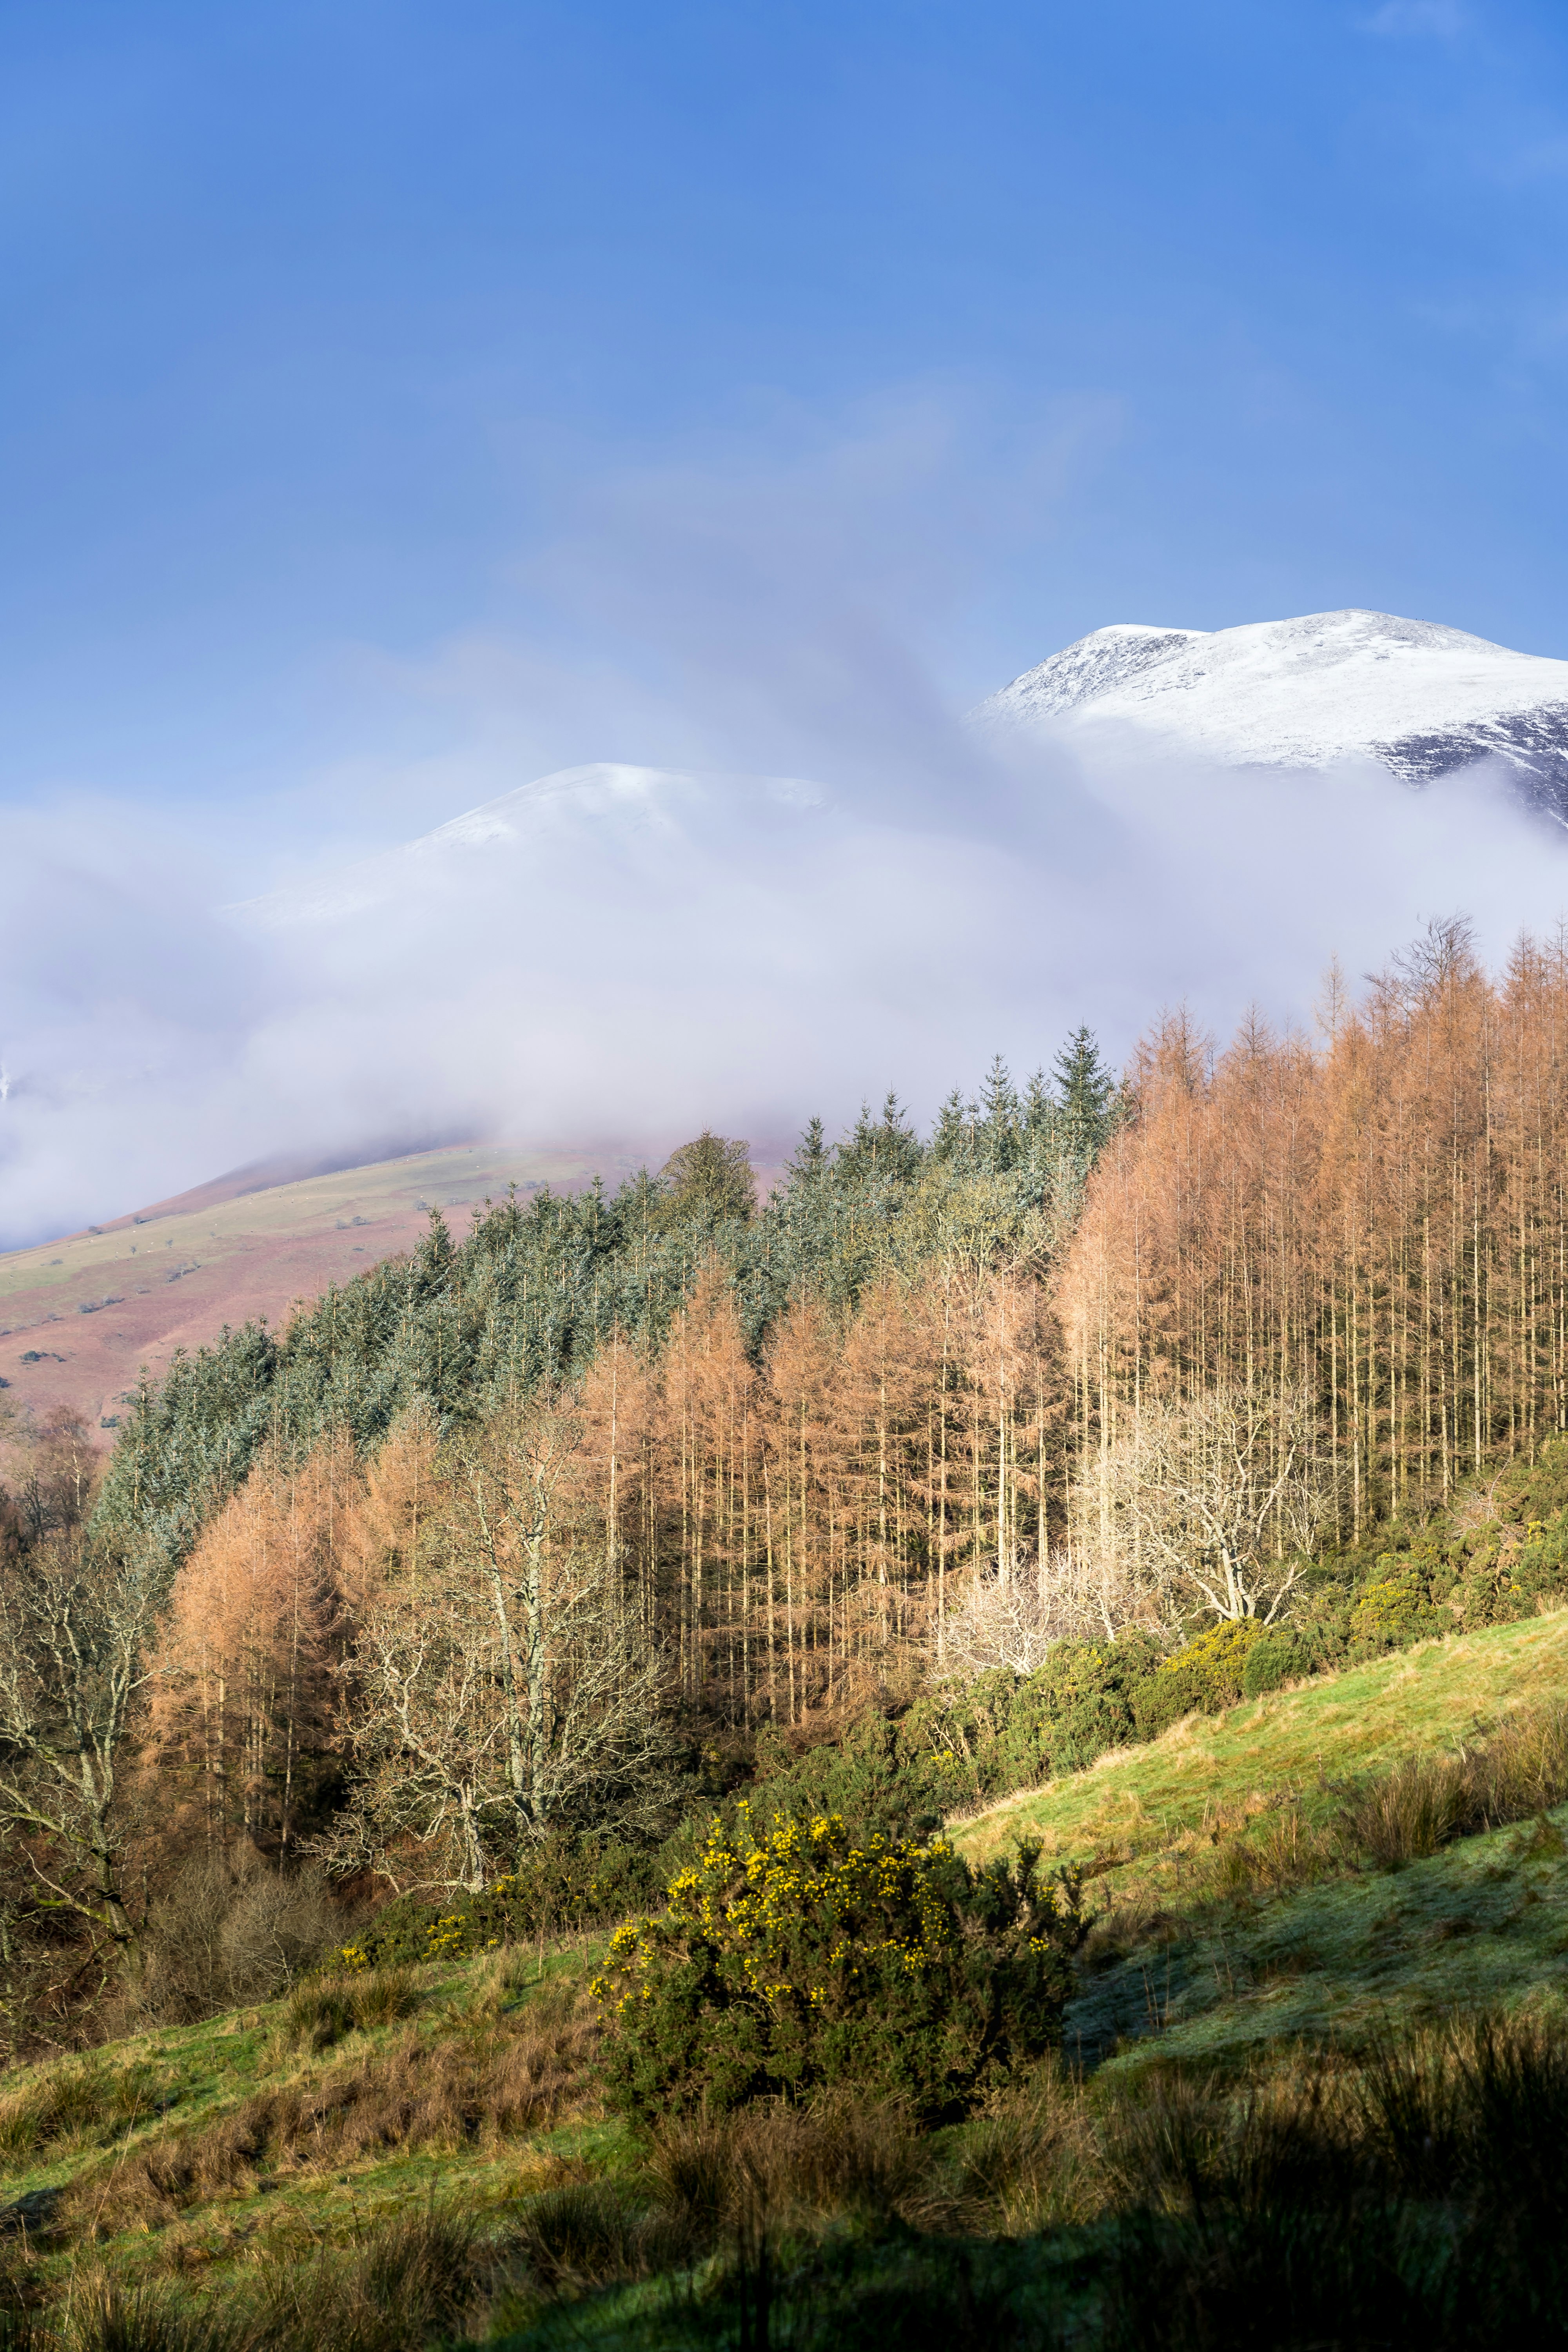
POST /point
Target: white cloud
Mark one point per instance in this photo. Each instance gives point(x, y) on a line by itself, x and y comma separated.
point(706, 950)
point(641, 959)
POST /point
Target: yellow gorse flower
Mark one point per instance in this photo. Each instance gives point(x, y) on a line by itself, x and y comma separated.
point(751, 1897)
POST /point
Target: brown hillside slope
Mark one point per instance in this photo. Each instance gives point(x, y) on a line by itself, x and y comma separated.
point(79, 1318)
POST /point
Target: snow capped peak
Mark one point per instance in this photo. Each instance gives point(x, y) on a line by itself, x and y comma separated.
point(1420, 698)
point(595, 810)
point(1096, 665)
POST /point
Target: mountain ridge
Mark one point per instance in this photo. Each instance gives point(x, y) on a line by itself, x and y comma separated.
point(1419, 697)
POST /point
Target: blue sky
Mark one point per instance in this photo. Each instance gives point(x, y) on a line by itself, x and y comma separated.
point(400, 402)
point(343, 340)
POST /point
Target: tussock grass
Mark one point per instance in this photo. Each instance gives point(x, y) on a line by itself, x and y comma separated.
point(1414, 2198)
point(1427, 1800)
point(1411, 2196)
point(1413, 2186)
point(836, 2157)
point(1030, 2162)
point(587, 2233)
point(398, 2286)
point(82, 2103)
point(404, 2284)
point(416, 2093)
point(324, 2010)
point(1409, 1812)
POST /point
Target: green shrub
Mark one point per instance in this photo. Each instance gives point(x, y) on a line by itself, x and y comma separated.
point(893, 1774)
point(1535, 1491)
point(1272, 1661)
point(565, 1883)
point(1202, 1678)
point(1397, 1607)
point(1492, 1593)
point(899, 1772)
point(803, 1959)
point(1082, 1701)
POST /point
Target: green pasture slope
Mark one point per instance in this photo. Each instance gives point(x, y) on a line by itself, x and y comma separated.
point(1235, 1924)
point(188, 2151)
point(1194, 1957)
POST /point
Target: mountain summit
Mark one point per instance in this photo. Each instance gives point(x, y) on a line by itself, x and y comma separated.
point(1421, 699)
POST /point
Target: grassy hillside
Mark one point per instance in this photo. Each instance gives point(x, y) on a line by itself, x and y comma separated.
point(1479, 1927)
point(402, 2157)
point(80, 1317)
point(1138, 1812)
point(1205, 1946)
point(197, 2155)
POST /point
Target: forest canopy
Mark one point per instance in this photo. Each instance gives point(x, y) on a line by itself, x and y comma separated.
point(1009, 1438)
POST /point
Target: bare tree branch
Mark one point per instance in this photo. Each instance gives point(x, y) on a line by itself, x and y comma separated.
point(1213, 1501)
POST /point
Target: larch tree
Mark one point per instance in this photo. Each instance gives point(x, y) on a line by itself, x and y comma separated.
point(244, 1683)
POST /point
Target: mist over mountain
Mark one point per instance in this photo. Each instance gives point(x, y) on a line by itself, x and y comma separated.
point(615, 954)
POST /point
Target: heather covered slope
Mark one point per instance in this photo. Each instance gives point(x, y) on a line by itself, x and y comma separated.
point(79, 1318)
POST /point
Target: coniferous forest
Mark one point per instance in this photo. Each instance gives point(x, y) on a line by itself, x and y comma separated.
point(683, 1548)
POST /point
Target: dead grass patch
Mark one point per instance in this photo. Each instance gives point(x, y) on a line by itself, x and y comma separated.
point(86, 2102)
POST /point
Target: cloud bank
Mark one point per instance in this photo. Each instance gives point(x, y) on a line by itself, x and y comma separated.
point(625, 955)
point(826, 885)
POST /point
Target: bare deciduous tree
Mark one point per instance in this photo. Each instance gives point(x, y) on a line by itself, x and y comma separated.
point(1002, 1621)
point(1213, 1499)
point(1080, 1592)
point(505, 1684)
point(74, 1625)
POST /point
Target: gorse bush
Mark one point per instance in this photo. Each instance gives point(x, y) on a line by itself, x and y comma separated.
point(403, 2283)
point(1394, 1609)
point(564, 1882)
point(800, 1959)
point(1204, 1677)
point(1271, 1662)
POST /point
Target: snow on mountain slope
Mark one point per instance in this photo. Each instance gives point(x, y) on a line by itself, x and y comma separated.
point(628, 950)
point(606, 808)
point(1421, 699)
point(1299, 694)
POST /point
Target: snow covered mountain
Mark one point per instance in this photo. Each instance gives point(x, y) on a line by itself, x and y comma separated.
point(603, 817)
point(1421, 699)
point(1300, 695)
